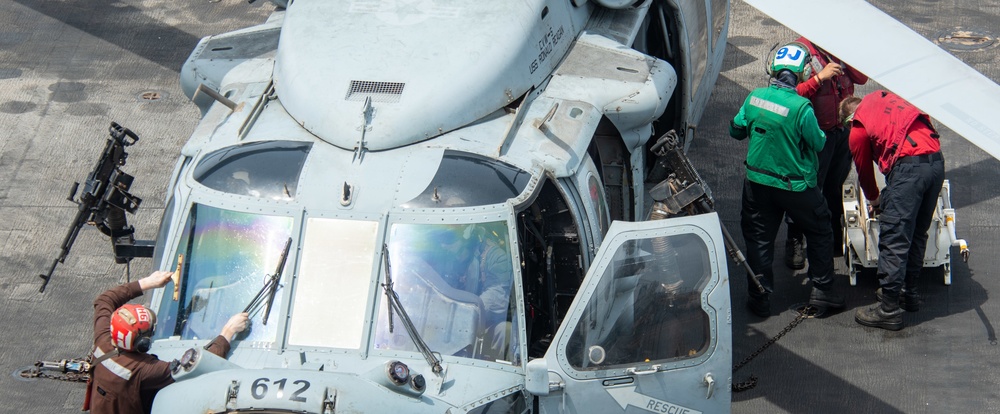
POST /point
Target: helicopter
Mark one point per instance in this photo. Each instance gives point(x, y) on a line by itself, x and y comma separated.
point(549, 173)
point(455, 229)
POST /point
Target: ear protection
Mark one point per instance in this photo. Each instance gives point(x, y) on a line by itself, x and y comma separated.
point(143, 344)
point(794, 57)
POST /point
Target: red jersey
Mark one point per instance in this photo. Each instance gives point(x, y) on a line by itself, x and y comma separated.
point(885, 128)
point(826, 97)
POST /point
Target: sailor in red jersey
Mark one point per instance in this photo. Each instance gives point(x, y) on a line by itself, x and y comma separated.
point(889, 131)
point(125, 377)
point(832, 82)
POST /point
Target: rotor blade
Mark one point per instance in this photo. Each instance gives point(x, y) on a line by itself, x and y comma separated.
point(902, 61)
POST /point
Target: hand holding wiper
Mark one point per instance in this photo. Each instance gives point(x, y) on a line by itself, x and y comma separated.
point(270, 288)
point(394, 304)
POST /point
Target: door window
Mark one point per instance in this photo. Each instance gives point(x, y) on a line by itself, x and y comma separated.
point(720, 15)
point(647, 307)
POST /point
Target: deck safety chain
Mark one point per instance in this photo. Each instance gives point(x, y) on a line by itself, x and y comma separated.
point(804, 313)
point(70, 370)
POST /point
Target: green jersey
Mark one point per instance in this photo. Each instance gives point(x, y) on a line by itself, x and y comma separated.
point(784, 138)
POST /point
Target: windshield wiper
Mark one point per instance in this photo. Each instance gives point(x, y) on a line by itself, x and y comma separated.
point(394, 304)
point(270, 288)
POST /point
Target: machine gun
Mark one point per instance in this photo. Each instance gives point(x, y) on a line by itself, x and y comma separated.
point(104, 202)
point(684, 191)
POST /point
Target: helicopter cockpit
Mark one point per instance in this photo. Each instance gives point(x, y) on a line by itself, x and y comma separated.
point(227, 251)
point(455, 280)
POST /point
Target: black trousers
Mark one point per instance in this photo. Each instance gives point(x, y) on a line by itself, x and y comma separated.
point(908, 202)
point(834, 166)
point(763, 208)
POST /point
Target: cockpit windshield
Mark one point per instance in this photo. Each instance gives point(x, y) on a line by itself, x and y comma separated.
point(455, 283)
point(266, 169)
point(464, 179)
point(227, 258)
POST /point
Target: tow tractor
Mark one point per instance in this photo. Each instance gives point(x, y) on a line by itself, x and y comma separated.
point(861, 232)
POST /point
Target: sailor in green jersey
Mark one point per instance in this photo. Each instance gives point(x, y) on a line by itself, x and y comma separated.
point(781, 169)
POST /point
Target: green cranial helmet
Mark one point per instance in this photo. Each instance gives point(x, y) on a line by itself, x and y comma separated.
point(793, 57)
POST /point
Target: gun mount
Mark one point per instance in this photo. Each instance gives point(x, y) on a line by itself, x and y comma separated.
point(685, 192)
point(103, 203)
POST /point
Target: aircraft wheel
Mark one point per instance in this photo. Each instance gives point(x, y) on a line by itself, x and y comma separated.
point(846, 245)
point(852, 271)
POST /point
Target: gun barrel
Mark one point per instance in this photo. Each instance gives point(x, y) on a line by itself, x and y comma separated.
point(46, 277)
point(67, 244)
point(72, 191)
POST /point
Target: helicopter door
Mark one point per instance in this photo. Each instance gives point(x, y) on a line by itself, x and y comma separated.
point(650, 327)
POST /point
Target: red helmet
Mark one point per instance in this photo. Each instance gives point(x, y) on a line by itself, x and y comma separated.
point(131, 327)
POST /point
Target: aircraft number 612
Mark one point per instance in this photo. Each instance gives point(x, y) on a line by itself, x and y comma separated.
point(259, 389)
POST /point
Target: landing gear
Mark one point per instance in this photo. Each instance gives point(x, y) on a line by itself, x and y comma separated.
point(850, 257)
point(852, 269)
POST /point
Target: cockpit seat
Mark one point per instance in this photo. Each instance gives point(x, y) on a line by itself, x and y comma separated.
point(449, 320)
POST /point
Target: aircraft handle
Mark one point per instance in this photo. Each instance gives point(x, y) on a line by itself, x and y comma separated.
point(638, 372)
point(710, 382)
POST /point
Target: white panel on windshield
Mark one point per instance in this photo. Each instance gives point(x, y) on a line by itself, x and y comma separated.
point(334, 283)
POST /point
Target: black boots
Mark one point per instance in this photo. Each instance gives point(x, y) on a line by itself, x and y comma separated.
point(908, 300)
point(795, 254)
point(759, 305)
point(826, 299)
point(885, 313)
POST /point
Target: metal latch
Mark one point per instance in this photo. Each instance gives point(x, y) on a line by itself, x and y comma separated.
point(330, 401)
point(711, 385)
point(234, 389)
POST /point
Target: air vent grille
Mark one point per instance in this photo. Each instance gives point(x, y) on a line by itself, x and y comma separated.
point(387, 92)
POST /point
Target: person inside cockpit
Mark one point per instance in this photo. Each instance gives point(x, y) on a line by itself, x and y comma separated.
point(480, 263)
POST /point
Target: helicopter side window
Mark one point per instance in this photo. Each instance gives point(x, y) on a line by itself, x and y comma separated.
point(227, 257)
point(719, 18)
point(464, 180)
point(268, 169)
point(698, 30)
point(455, 282)
point(649, 310)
